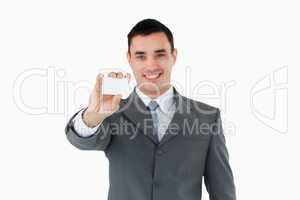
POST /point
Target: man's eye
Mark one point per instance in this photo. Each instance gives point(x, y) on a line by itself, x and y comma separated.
point(160, 55)
point(141, 57)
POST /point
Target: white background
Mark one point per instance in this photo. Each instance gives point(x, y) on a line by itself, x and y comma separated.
point(51, 51)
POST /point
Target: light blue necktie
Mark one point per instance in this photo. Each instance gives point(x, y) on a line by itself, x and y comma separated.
point(152, 106)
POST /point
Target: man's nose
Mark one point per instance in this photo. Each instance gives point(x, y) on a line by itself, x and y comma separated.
point(151, 63)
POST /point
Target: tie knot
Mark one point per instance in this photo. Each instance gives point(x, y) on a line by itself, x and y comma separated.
point(153, 105)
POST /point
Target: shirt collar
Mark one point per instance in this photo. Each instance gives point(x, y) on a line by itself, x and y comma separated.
point(165, 101)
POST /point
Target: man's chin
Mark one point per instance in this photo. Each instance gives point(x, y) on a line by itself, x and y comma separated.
point(149, 88)
point(152, 89)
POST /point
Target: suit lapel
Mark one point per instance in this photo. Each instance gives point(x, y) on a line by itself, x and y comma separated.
point(176, 125)
point(135, 110)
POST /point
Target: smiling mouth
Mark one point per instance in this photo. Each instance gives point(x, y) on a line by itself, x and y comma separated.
point(152, 76)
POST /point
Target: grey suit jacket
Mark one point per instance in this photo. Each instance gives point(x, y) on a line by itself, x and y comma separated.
point(141, 168)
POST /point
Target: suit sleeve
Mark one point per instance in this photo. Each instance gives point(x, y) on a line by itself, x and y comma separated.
point(218, 175)
point(98, 141)
point(81, 128)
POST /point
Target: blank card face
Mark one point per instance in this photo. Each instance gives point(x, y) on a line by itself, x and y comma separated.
point(114, 86)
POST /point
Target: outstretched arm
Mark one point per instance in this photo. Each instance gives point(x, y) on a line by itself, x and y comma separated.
point(97, 141)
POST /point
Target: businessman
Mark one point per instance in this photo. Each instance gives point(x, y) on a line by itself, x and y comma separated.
point(160, 144)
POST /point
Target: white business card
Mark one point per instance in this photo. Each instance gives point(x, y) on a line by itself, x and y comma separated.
point(114, 86)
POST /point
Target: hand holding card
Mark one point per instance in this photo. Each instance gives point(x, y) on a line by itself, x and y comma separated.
point(105, 97)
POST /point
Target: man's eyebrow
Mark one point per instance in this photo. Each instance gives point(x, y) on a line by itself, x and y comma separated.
point(139, 52)
point(160, 51)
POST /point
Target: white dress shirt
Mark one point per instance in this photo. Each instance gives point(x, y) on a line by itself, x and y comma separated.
point(165, 113)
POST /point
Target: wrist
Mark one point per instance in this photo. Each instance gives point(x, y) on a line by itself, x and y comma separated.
point(91, 119)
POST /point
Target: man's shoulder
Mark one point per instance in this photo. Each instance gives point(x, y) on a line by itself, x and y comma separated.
point(199, 106)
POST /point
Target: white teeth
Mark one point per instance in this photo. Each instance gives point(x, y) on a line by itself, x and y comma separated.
point(152, 76)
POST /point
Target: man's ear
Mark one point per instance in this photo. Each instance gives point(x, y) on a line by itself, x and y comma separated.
point(174, 55)
point(128, 56)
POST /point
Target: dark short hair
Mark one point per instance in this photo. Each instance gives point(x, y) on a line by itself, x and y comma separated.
point(148, 26)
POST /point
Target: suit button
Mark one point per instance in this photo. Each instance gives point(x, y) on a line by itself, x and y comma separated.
point(156, 184)
point(159, 152)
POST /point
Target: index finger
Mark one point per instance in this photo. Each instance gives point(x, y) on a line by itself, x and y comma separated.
point(98, 84)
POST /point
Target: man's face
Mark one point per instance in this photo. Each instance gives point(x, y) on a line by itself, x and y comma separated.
point(151, 60)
